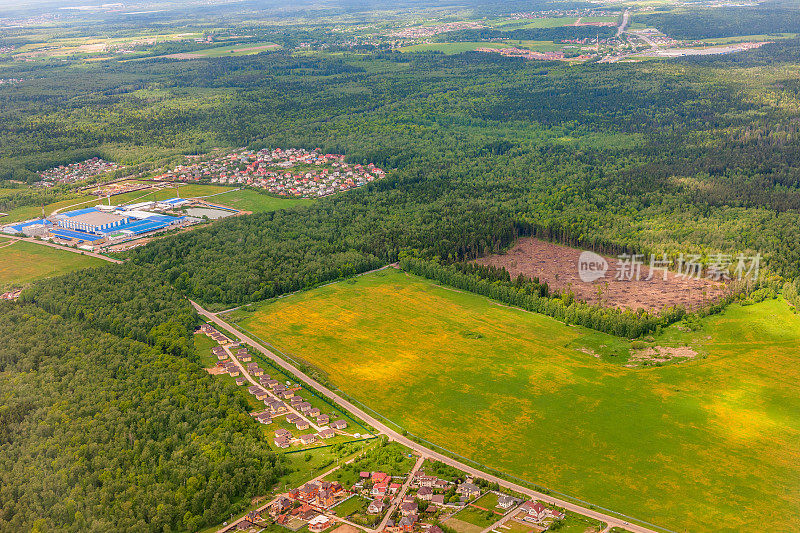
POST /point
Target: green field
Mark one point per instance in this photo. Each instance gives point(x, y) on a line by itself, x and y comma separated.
point(250, 200)
point(452, 48)
point(710, 444)
point(181, 191)
point(548, 22)
point(33, 211)
point(23, 262)
point(244, 49)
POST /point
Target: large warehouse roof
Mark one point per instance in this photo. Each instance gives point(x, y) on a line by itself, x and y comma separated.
point(96, 218)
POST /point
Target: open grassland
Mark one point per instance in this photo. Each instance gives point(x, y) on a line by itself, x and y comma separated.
point(250, 200)
point(452, 48)
point(181, 191)
point(32, 211)
point(22, 262)
point(710, 444)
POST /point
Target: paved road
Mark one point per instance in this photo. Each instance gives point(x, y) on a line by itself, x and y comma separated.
point(401, 493)
point(249, 378)
point(420, 449)
point(73, 250)
point(624, 25)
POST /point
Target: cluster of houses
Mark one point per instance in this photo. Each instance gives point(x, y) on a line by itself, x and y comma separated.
point(75, 172)
point(279, 397)
point(537, 513)
point(324, 494)
point(292, 172)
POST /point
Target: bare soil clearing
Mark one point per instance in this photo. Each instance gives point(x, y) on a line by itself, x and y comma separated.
point(558, 266)
point(662, 354)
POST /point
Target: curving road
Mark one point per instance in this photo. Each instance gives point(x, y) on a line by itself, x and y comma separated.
point(612, 521)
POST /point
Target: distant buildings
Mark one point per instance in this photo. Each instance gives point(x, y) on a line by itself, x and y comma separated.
point(292, 172)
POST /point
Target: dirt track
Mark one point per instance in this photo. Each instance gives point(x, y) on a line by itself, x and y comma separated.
point(558, 266)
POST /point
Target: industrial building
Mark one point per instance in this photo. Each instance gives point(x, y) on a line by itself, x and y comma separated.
point(91, 220)
point(103, 222)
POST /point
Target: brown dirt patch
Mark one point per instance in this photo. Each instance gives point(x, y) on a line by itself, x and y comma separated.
point(345, 528)
point(662, 354)
point(558, 266)
point(215, 370)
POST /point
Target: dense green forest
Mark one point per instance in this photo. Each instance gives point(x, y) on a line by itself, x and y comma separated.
point(729, 21)
point(108, 423)
point(103, 433)
point(694, 155)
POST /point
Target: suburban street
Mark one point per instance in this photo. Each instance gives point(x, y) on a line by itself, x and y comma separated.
point(420, 449)
point(252, 381)
point(401, 494)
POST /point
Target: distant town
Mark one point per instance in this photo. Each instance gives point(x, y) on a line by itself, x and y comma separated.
point(293, 172)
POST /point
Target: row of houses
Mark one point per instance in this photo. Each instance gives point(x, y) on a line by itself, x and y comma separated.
point(283, 510)
point(324, 494)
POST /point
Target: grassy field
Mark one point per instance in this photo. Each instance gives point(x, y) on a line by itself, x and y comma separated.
point(33, 211)
point(250, 200)
point(245, 49)
point(452, 48)
point(477, 517)
point(354, 504)
point(23, 262)
point(182, 191)
point(710, 444)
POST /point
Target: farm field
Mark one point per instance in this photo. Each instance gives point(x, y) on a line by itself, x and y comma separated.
point(710, 444)
point(243, 49)
point(453, 48)
point(22, 262)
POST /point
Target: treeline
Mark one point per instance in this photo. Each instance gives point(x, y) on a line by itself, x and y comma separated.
point(791, 291)
point(103, 433)
point(524, 294)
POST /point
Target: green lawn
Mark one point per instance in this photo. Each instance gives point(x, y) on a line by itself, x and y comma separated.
point(488, 501)
point(710, 444)
point(250, 200)
point(23, 262)
point(575, 523)
point(478, 517)
point(354, 504)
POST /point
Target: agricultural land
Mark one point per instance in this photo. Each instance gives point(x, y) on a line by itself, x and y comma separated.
point(510, 390)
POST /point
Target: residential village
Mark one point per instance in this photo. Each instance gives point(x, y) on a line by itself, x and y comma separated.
point(293, 172)
point(74, 172)
point(347, 500)
point(386, 488)
point(293, 420)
